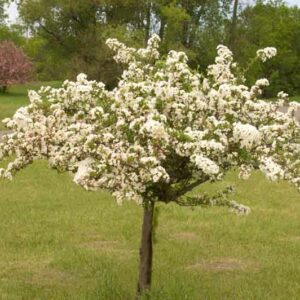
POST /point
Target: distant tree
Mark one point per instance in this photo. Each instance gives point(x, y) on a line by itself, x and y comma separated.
point(76, 30)
point(72, 34)
point(15, 67)
point(233, 25)
point(2, 10)
point(271, 23)
point(13, 33)
point(195, 27)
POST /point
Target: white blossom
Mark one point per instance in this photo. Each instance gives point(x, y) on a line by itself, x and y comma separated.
point(266, 53)
point(272, 170)
point(206, 165)
point(247, 135)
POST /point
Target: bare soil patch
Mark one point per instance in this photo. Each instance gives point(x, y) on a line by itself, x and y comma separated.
point(188, 236)
point(291, 239)
point(100, 245)
point(51, 277)
point(225, 264)
point(37, 273)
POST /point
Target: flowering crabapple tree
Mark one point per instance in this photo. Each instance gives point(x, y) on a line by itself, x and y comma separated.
point(15, 67)
point(162, 131)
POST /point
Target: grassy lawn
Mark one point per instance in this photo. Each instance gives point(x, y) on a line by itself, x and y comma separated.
point(61, 242)
point(292, 98)
point(295, 98)
point(16, 97)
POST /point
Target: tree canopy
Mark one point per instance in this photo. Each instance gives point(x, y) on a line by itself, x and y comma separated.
point(162, 131)
point(163, 127)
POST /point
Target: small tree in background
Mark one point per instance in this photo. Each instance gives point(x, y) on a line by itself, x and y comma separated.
point(161, 132)
point(15, 67)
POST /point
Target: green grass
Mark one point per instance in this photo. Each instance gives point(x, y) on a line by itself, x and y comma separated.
point(16, 97)
point(58, 241)
point(292, 98)
point(295, 98)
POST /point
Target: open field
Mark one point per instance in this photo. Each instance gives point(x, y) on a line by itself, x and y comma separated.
point(61, 242)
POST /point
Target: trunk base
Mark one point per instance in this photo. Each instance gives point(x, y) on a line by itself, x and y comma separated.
point(146, 252)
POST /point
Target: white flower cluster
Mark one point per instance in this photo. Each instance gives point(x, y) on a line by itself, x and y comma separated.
point(160, 131)
point(266, 53)
point(205, 164)
point(245, 171)
point(273, 170)
point(246, 134)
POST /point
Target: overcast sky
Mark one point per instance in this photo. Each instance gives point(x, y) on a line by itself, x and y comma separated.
point(293, 2)
point(13, 13)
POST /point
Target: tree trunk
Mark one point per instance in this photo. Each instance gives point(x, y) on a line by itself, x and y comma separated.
point(162, 29)
point(3, 89)
point(148, 22)
point(145, 269)
point(232, 36)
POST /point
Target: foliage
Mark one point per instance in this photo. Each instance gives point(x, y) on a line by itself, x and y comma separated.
point(47, 64)
point(2, 11)
point(15, 67)
point(277, 25)
point(71, 42)
point(76, 30)
point(13, 33)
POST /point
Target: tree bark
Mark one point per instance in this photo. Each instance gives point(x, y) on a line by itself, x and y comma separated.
point(3, 89)
point(148, 22)
point(146, 251)
point(162, 28)
point(232, 36)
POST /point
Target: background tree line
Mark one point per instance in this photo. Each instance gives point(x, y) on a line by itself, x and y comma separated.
point(68, 36)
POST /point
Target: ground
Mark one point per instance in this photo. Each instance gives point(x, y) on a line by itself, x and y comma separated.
point(61, 242)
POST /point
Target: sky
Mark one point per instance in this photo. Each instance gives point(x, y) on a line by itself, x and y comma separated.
point(294, 2)
point(13, 13)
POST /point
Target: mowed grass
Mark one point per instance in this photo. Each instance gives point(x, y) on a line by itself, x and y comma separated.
point(16, 97)
point(58, 241)
point(295, 98)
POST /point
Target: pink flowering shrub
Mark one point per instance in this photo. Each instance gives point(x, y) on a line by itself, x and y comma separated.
point(15, 67)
